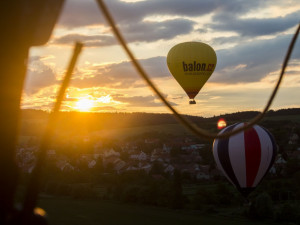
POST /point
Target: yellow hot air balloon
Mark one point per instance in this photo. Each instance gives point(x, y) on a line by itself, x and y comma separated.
point(191, 64)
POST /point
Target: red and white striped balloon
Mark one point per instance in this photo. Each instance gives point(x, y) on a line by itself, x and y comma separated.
point(245, 158)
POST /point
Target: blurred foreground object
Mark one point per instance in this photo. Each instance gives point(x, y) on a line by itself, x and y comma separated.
point(23, 24)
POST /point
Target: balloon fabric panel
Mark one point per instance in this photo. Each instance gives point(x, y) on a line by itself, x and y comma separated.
point(237, 156)
point(253, 155)
point(224, 159)
point(268, 156)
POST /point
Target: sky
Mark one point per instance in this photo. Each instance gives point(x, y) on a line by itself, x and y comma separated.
point(250, 39)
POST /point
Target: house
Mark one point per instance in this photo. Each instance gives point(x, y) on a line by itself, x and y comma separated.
point(280, 160)
point(202, 172)
point(92, 164)
point(146, 167)
point(132, 168)
point(294, 138)
point(200, 175)
point(64, 166)
point(169, 169)
point(51, 154)
point(142, 156)
point(119, 165)
point(156, 153)
point(278, 166)
point(110, 152)
point(166, 149)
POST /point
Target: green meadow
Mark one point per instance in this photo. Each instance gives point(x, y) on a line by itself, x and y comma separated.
point(67, 211)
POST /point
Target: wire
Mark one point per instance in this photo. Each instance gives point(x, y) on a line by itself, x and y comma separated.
point(34, 183)
point(196, 130)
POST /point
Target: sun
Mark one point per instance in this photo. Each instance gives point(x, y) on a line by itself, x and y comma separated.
point(84, 105)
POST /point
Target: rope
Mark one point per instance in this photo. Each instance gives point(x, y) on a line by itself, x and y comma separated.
point(196, 130)
point(34, 183)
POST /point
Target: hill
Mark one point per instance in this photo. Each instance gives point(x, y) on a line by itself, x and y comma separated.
point(34, 121)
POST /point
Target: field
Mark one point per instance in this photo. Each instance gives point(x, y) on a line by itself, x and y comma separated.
point(161, 123)
point(66, 211)
point(174, 129)
point(121, 133)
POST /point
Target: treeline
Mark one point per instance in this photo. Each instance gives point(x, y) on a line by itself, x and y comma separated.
point(33, 121)
point(246, 115)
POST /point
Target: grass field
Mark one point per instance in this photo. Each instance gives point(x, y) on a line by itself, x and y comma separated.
point(66, 211)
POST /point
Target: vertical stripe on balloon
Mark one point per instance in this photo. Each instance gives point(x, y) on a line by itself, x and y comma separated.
point(223, 155)
point(266, 155)
point(253, 155)
point(273, 149)
point(237, 156)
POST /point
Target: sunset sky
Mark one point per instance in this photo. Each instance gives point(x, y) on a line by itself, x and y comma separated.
point(250, 39)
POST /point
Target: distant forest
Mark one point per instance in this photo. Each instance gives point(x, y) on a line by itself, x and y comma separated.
point(34, 121)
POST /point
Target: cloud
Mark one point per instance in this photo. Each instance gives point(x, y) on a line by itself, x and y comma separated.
point(78, 13)
point(125, 12)
point(152, 31)
point(123, 75)
point(254, 27)
point(140, 101)
point(226, 40)
point(88, 40)
point(132, 18)
point(141, 32)
point(252, 61)
point(38, 76)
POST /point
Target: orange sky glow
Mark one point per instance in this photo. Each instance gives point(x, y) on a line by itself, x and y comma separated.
point(250, 40)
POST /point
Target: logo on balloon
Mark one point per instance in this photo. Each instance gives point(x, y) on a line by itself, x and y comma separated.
point(197, 66)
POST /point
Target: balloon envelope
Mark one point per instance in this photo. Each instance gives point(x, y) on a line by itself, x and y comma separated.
point(191, 64)
point(245, 158)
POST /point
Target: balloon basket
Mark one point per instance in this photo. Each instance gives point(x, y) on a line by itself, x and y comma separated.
point(192, 102)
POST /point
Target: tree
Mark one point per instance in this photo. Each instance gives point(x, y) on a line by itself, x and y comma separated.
point(157, 168)
point(262, 207)
point(176, 198)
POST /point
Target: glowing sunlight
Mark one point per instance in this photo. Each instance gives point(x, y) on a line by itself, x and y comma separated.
point(104, 99)
point(84, 105)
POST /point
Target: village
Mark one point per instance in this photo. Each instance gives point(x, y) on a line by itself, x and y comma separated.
point(192, 158)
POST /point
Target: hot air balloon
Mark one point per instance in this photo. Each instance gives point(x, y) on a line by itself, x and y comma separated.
point(191, 64)
point(245, 158)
